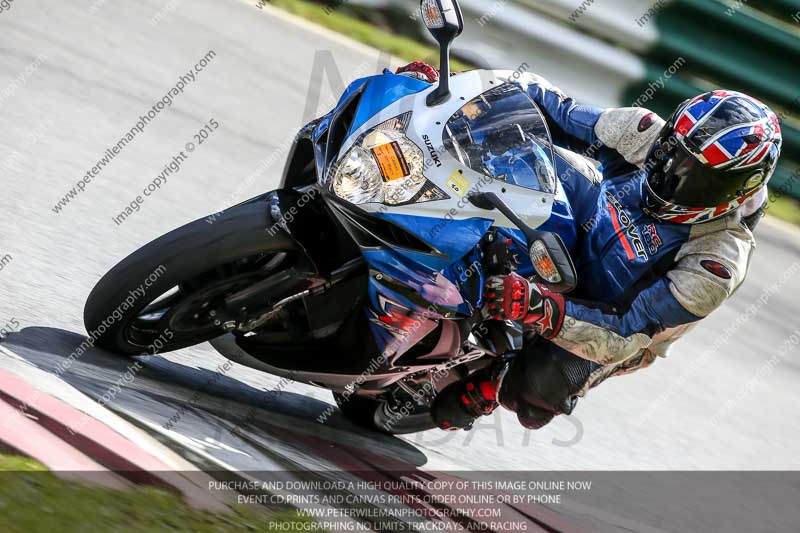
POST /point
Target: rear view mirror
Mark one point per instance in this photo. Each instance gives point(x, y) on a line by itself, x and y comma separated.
point(444, 20)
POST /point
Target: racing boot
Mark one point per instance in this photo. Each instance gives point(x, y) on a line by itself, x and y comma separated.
point(459, 404)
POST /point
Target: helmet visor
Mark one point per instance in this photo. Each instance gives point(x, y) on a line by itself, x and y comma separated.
point(684, 180)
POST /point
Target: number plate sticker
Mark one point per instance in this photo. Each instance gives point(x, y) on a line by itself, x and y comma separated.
point(458, 183)
point(390, 161)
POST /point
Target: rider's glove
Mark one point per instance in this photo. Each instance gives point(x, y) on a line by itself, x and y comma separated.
point(513, 297)
point(419, 70)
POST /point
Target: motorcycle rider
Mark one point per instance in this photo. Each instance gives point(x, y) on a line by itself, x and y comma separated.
point(664, 239)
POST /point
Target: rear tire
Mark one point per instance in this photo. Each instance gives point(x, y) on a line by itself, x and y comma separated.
point(372, 414)
point(185, 255)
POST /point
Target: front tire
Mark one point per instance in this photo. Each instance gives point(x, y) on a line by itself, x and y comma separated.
point(134, 308)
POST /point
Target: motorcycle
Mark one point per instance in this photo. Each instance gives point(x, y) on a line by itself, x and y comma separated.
point(363, 273)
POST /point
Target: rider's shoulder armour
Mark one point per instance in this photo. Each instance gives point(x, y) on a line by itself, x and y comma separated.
point(712, 264)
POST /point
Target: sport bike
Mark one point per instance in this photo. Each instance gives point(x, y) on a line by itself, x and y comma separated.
point(363, 273)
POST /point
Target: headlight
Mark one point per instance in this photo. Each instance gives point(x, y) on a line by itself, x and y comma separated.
point(357, 178)
point(383, 166)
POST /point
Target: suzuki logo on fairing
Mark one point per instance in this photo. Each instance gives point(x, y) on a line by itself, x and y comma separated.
point(625, 228)
point(432, 150)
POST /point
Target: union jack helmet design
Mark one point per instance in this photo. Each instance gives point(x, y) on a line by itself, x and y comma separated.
point(714, 153)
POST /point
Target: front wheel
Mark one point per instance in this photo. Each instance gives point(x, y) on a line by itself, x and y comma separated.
point(176, 291)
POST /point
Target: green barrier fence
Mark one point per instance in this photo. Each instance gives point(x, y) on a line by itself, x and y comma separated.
point(752, 46)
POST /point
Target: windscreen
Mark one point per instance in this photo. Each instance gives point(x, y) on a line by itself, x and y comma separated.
point(502, 134)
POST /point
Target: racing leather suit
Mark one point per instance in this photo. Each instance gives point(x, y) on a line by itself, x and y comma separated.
point(642, 283)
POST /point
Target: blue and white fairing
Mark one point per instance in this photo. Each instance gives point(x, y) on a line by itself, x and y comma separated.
point(413, 166)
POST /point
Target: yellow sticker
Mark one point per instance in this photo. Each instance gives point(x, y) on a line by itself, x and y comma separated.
point(390, 161)
point(458, 183)
point(472, 110)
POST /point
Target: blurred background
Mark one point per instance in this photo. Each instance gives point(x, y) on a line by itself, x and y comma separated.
point(74, 74)
point(653, 54)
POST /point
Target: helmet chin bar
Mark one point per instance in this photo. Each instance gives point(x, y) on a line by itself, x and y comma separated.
point(665, 211)
point(715, 151)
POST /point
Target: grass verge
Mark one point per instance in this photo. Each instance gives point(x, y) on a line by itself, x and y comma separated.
point(397, 45)
point(34, 500)
point(786, 209)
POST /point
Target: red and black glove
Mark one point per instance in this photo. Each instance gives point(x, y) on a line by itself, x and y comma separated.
point(460, 403)
point(513, 297)
point(421, 71)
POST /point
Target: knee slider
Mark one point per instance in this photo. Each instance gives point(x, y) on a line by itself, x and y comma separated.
point(545, 377)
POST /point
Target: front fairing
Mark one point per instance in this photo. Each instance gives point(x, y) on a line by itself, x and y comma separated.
point(379, 98)
point(376, 92)
point(451, 225)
